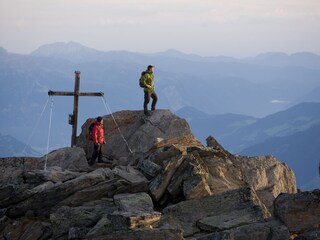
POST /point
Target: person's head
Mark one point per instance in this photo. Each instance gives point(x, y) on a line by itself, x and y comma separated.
point(150, 68)
point(99, 119)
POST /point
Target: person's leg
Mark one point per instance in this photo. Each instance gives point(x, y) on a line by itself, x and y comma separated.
point(94, 154)
point(154, 101)
point(100, 154)
point(146, 101)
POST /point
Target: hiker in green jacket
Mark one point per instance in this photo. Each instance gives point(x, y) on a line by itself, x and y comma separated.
point(148, 84)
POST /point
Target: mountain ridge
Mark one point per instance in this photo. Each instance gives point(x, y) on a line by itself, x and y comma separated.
point(269, 58)
point(12, 147)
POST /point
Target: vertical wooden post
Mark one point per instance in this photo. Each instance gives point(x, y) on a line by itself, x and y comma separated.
point(75, 108)
point(73, 118)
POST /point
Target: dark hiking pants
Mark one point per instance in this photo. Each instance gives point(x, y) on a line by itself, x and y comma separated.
point(97, 152)
point(147, 96)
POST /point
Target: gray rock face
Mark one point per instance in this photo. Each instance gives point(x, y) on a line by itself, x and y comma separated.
point(135, 211)
point(271, 229)
point(217, 212)
point(67, 159)
point(169, 187)
point(300, 212)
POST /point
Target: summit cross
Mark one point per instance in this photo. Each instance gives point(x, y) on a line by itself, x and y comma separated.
point(73, 118)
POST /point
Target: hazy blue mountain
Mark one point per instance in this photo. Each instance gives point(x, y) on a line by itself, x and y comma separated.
point(237, 132)
point(191, 113)
point(300, 151)
point(219, 126)
point(11, 147)
point(313, 96)
point(214, 85)
point(285, 123)
point(302, 59)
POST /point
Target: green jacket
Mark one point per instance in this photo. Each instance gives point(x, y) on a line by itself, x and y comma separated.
point(148, 79)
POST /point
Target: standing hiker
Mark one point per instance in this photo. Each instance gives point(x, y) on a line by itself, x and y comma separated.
point(147, 82)
point(98, 140)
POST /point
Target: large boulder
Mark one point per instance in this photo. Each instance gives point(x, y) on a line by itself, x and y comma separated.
point(267, 176)
point(271, 230)
point(300, 212)
point(185, 172)
point(134, 211)
point(68, 158)
point(217, 212)
point(139, 133)
point(11, 169)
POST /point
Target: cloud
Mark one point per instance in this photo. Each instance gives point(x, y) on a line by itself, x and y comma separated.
point(276, 101)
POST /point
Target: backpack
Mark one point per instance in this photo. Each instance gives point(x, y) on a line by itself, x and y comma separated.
point(90, 130)
point(141, 79)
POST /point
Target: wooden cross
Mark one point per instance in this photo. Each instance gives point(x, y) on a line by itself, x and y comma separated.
point(73, 118)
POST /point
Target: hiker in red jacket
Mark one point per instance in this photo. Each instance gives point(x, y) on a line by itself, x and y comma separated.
point(98, 141)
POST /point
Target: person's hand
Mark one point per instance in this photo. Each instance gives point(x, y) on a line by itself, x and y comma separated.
point(104, 142)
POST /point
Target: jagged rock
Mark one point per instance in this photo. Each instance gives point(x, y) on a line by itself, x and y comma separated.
point(193, 214)
point(149, 168)
point(102, 228)
point(267, 176)
point(300, 212)
point(229, 220)
point(53, 175)
point(127, 220)
point(18, 197)
point(271, 230)
point(135, 211)
point(119, 180)
point(159, 184)
point(212, 142)
point(189, 180)
point(145, 234)
point(82, 217)
point(140, 132)
point(140, 202)
point(68, 158)
point(309, 235)
point(138, 182)
point(11, 169)
point(26, 229)
point(49, 196)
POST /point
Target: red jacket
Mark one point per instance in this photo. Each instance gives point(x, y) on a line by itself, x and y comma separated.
point(98, 133)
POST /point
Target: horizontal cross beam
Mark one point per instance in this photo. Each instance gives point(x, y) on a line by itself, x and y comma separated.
point(51, 93)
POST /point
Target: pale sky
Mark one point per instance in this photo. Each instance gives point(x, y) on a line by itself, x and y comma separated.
point(237, 28)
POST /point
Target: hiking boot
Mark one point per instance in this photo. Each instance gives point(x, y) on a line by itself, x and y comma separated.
point(147, 113)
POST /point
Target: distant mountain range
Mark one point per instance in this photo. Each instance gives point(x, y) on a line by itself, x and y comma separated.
point(292, 135)
point(231, 95)
point(11, 147)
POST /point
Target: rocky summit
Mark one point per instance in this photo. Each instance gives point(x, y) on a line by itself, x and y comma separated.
point(156, 181)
